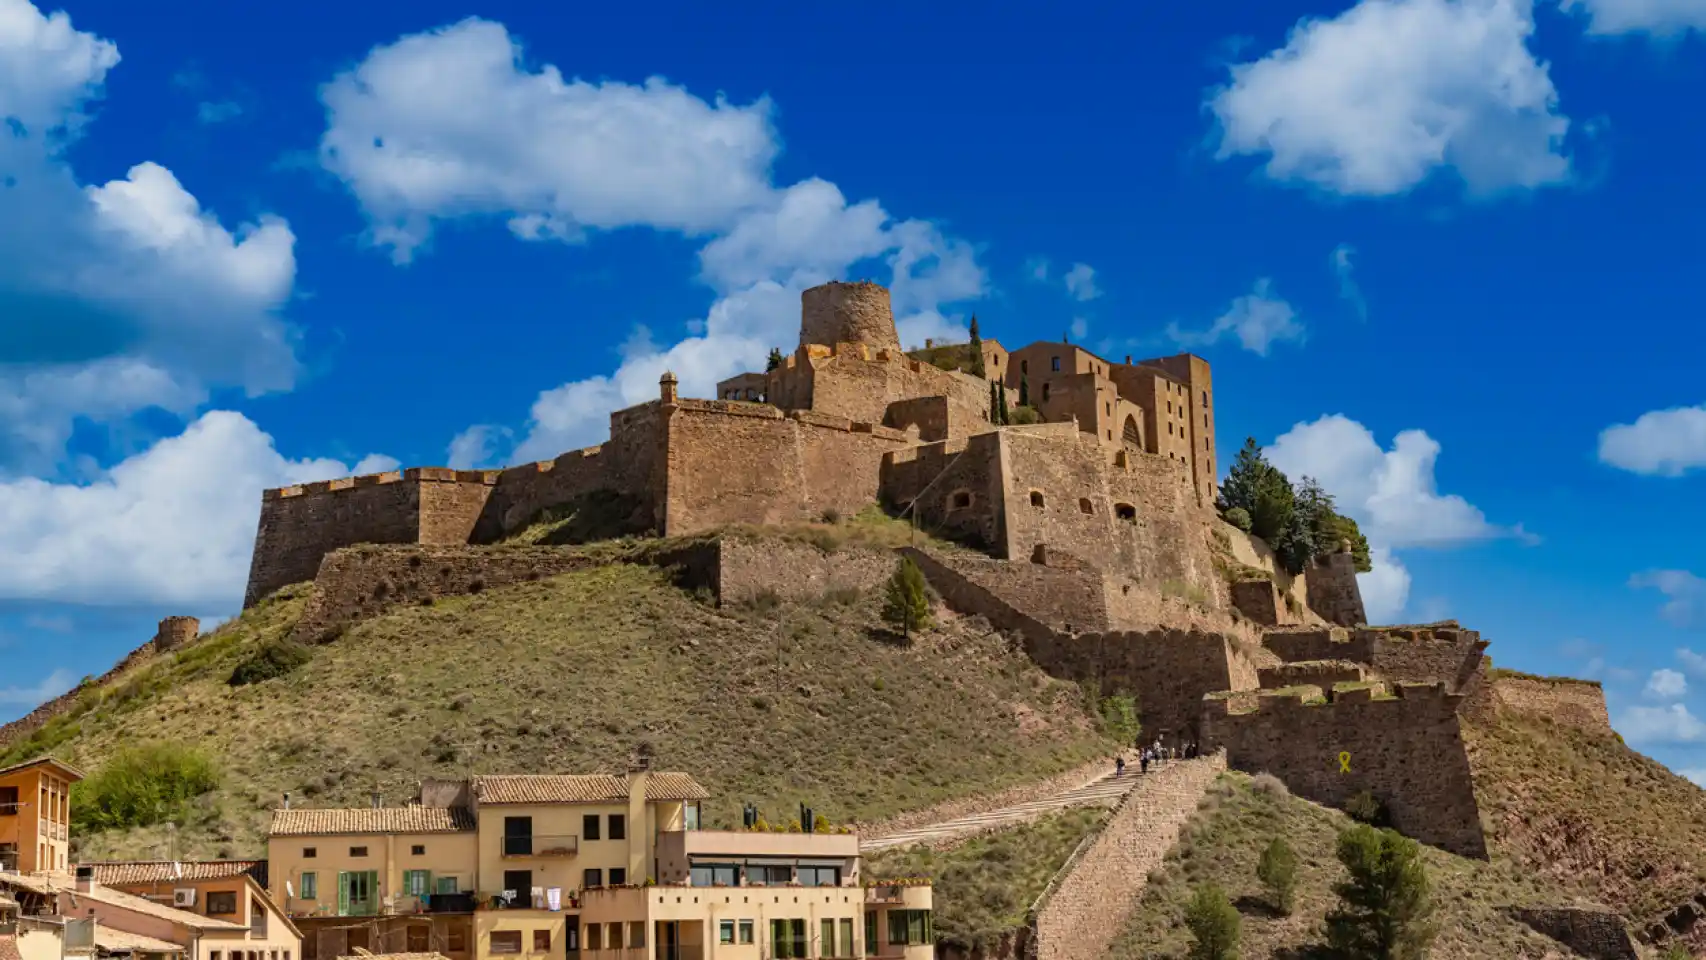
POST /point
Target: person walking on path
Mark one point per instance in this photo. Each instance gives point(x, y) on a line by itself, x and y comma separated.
point(1143, 761)
point(1119, 766)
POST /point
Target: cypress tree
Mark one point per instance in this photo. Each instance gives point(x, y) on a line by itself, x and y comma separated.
point(976, 349)
point(1025, 395)
point(994, 404)
point(774, 361)
point(1006, 415)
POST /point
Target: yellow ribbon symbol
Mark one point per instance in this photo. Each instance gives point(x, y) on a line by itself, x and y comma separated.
point(1344, 763)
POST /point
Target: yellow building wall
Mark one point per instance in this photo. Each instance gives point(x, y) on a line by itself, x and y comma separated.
point(701, 910)
point(551, 822)
point(528, 923)
point(443, 854)
point(40, 826)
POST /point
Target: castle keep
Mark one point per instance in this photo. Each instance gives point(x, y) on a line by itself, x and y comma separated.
point(1123, 464)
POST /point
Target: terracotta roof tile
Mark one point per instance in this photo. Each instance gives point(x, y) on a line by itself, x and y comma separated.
point(118, 873)
point(134, 904)
point(411, 819)
point(586, 788)
point(65, 768)
point(9, 947)
point(121, 941)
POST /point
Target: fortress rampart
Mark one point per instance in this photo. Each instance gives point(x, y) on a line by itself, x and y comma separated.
point(1422, 653)
point(848, 313)
point(1578, 703)
point(1406, 749)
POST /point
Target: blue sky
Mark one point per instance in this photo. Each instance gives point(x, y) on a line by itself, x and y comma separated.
point(1443, 255)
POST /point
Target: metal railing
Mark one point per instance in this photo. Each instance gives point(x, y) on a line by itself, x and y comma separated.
point(542, 845)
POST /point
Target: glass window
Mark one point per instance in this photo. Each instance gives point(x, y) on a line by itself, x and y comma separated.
point(618, 876)
point(572, 934)
point(358, 851)
point(310, 886)
point(691, 816)
point(506, 941)
point(909, 927)
point(221, 902)
point(618, 827)
point(846, 942)
point(595, 936)
point(788, 939)
point(418, 850)
point(636, 933)
point(592, 877)
point(770, 875)
point(589, 826)
point(613, 935)
point(446, 886)
point(518, 836)
point(820, 876)
point(725, 931)
point(870, 932)
point(746, 931)
point(309, 853)
point(1055, 364)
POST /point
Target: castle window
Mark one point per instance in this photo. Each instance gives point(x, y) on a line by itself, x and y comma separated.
point(1036, 498)
point(959, 500)
point(1169, 427)
point(1024, 366)
point(1045, 391)
point(1108, 409)
point(1205, 399)
point(1084, 505)
point(1055, 365)
point(1169, 408)
point(1126, 512)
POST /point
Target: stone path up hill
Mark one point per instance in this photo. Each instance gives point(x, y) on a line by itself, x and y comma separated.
point(1104, 791)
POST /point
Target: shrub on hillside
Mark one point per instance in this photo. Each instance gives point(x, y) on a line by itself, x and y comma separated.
point(1238, 517)
point(1386, 907)
point(142, 786)
point(1367, 808)
point(1269, 785)
point(275, 658)
point(1024, 414)
point(1278, 872)
point(1119, 717)
point(1214, 924)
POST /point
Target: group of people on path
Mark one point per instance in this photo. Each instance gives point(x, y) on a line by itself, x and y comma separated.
point(1155, 753)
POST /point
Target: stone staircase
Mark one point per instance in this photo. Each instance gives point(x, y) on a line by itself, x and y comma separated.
point(1085, 905)
point(1106, 791)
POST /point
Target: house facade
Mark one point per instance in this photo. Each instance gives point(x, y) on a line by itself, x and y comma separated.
point(35, 816)
point(531, 867)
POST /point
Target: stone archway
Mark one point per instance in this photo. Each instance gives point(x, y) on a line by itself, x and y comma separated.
point(1131, 435)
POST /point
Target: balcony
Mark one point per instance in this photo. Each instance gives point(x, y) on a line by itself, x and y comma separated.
point(682, 844)
point(541, 845)
point(450, 903)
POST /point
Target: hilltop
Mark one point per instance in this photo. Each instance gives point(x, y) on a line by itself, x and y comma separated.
point(776, 703)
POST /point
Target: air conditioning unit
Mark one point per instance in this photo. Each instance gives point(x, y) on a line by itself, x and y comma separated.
point(184, 898)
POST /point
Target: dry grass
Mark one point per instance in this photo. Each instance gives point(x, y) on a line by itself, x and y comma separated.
point(1224, 841)
point(1571, 803)
point(984, 886)
point(803, 702)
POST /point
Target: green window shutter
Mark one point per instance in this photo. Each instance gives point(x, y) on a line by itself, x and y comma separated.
point(343, 893)
point(372, 891)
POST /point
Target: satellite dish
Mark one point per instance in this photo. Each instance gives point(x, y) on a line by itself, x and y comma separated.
point(177, 870)
point(289, 891)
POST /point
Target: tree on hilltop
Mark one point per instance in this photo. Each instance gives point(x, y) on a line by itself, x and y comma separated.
point(906, 602)
point(1386, 907)
point(1262, 490)
point(976, 348)
point(1214, 923)
point(775, 359)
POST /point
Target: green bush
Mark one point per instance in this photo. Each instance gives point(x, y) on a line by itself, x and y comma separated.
point(906, 600)
point(1367, 808)
point(1278, 872)
point(1119, 718)
point(1214, 923)
point(275, 658)
point(142, 786)
point(1238, 517)
point(1386, 909)
point(1024, 414)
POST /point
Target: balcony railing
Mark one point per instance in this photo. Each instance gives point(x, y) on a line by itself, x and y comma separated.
point(541, 845)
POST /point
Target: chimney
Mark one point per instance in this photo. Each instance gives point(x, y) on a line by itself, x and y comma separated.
point(85, 879)
point(639, 773)
point(376, 799)
point(287, 800)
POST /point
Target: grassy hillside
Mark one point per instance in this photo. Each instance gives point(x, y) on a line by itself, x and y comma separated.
point(984, 886)
point(1569, 803)
point(775, 705)
point(1224, 841)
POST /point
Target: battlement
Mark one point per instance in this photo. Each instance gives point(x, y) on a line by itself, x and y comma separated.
point(523, 470)
point(328, 486)
point(1242, 703)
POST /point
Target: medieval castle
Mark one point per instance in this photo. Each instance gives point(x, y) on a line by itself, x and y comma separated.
point(1097, 544)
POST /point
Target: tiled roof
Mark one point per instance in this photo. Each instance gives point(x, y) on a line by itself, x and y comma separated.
point(586, 788)
point(413, 819)
point(118, 873)
point(396, 956)
point(64, 768)
point(9, 947)
point(135, 904)
point(120, 941)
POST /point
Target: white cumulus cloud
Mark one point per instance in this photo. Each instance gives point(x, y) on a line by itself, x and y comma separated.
point(1685, 594)
point(1385, 587)
point(1081, 282)
point(117, 296)
point(1257, 320)
point(451, 124)
point(1669, 724)
point(173, 524)
point(1663, 443)
point(1666, 684)
point(1661, 18)
point(1375, 100)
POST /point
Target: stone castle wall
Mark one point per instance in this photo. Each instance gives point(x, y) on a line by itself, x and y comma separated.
point(1333, 591)
point(301, 524)
point(791, 570)
point(1579, 703)
point(848, 313)
point(1407, 751)
point(1424, 653)
point(860, 383)
point(953, 488)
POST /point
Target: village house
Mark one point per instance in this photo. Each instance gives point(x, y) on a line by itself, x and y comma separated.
point(35, 816)
point(551, 866)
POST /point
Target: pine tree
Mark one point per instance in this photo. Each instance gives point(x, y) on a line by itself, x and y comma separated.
point(774, 361)
point(1262, 490)
point(976, 348)
point(1214, 924)
point(906, 601)
point(1278, 872)
point(1386, 909)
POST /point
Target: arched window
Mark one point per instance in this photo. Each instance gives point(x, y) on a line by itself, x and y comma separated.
point(1037, 499)
point(1126, 512)
point(1084, 505)
point(1130, 435)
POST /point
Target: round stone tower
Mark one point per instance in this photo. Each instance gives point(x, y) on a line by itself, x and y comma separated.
point(175, 632)
point(848, 313)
